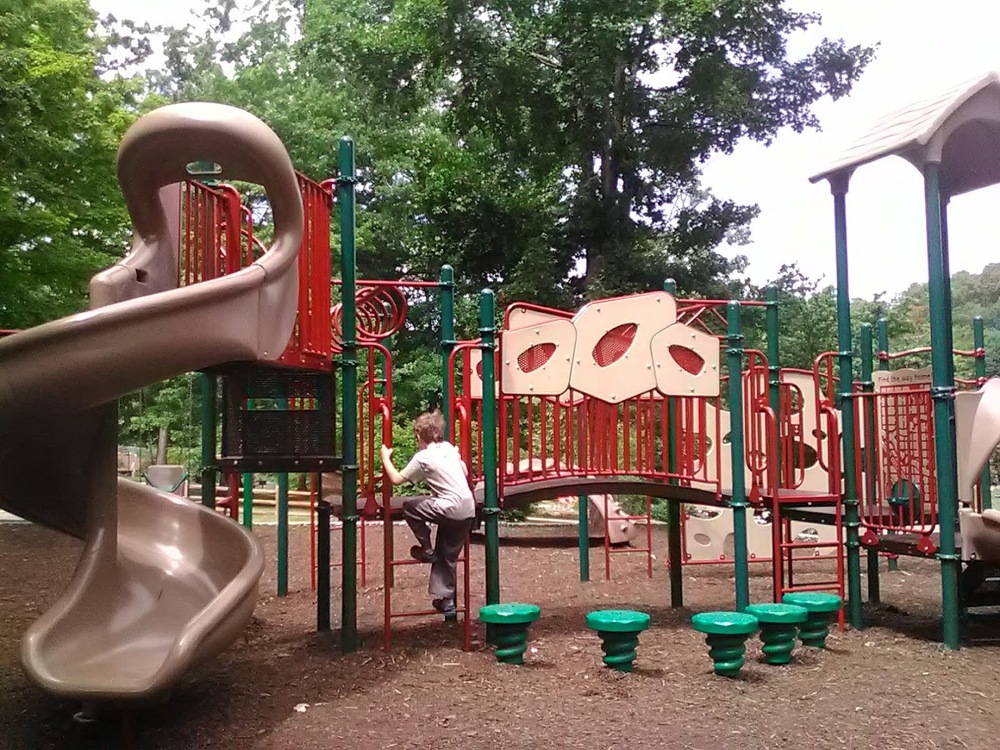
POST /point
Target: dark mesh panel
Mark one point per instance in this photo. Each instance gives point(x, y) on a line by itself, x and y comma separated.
point(271, 436)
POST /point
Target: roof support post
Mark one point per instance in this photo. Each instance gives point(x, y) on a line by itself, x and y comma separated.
point(943, 396)
point(852, 520)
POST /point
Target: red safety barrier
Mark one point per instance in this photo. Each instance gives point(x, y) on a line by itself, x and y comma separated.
point(217, 238)
point(310, 345)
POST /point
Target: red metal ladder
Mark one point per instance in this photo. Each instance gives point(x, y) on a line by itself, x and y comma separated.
point(462, 594)
point(609, 550)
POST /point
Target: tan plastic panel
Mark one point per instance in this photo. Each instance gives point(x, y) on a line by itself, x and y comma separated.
point(537, 359)
point(816, 479)
point(631, 373)
point(163, 583)
point(672, 378)
point(716, 469)
point(908, 377)
point(977, 433)
point(523, 317)
point(709, 538)
point(475, 380)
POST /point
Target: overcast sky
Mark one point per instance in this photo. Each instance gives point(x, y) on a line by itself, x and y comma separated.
point(920, 53)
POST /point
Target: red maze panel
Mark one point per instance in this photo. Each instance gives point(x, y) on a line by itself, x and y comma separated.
point(688, 359)
point(614, 344)
point(535, 356)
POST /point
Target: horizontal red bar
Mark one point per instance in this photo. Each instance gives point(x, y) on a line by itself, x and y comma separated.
point(424, 613)
point(404, 284)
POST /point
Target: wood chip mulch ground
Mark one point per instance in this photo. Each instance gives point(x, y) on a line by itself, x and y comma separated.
point(283, 685)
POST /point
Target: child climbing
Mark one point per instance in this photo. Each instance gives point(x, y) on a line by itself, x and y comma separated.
point(451, 505)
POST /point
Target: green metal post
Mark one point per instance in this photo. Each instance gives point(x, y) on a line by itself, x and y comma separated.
point(979, 342)
point(447, 283)
point(852, 521)
point(247, 481)
point(883, 365)
point(349, 395)
point(773, 360)
point(675, 556)
point(738, 501)
point(948, 307)
point(282, 508)
point(324, 514)
point(583, 536)
point(870, 467)
point(943, 396)
point(208, 447)
point(491, 500)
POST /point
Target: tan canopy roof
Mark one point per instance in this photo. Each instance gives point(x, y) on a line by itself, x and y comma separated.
point(959, 127)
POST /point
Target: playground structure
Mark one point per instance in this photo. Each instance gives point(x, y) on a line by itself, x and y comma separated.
point(951, 139)
point(649, 395)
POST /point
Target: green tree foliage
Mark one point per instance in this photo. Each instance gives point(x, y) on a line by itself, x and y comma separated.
point(973, 294)
point(549, 150)
point(568, 137)
point(61, 215)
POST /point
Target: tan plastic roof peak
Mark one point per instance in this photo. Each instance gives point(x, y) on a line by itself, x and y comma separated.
point(926, 130)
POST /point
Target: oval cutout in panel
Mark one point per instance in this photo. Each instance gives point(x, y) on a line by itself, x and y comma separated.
point(614, 344)
point(535, 356)
point(689, 360)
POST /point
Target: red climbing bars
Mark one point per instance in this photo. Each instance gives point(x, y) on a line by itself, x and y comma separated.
point(310, 343)
point(217, 239)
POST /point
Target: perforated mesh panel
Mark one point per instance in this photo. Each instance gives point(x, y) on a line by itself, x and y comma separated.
point(613, 345)
point(535, 356)
point(292, 425)
point(689, 360)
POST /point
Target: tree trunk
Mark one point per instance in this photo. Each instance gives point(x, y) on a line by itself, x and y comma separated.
point(161, 445)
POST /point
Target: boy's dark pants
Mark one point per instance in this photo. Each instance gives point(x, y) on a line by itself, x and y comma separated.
point(451, 536)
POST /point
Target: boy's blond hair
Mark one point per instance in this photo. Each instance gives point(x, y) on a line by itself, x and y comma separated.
point(429, 426)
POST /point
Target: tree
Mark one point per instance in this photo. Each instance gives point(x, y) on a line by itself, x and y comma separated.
point(549, 150)
point(609, 108)
point(61, 214)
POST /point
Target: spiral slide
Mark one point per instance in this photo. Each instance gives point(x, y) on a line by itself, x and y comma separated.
point(163, 583)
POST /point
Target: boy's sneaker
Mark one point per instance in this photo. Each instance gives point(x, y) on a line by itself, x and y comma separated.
point(420, 554)
point(445, 607)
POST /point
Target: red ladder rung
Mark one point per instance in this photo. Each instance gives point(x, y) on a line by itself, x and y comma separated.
point(426, 613)
point(626, 550)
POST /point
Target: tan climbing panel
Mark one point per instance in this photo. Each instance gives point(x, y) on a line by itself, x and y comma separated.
point(522, 317)
point(612, 360)
point(537, 359)
point(685, 361)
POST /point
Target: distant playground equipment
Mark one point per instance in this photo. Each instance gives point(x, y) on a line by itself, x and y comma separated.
point(167, 478)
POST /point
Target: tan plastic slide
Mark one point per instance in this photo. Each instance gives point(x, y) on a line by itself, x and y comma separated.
point(977, 434)
point(163, 583)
